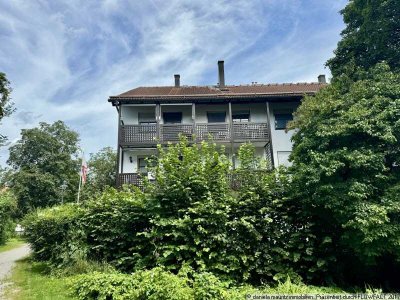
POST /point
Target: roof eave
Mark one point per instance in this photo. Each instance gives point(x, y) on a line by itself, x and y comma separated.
point(195, 98)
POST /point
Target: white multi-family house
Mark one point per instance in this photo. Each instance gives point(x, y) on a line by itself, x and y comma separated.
point(229, 114)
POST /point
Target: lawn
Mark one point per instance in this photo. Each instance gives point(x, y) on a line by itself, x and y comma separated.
point(11, 244)
point(30, 281)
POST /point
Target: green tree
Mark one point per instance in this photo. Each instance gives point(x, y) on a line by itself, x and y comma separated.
point(41, 161)
point(101, 174)
point(102, 170)
point(345, 169)
point(372, 35)
point(6, 107)
point(8, 206)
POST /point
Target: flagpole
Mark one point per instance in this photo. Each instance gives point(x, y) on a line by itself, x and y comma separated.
point(80, 178)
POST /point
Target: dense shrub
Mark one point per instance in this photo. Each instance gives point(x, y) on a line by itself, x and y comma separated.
point(189, 216)
point(111, 224)
point(189, 208)
point(269, 237)
point(152, 284)
point(55, 234)
point(158, 283)
point(8, 205)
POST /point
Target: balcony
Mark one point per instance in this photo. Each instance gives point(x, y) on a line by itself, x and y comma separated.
point(138, 179)
point(219, 132)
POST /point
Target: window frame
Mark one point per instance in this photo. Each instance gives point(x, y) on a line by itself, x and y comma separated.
point(139, 170)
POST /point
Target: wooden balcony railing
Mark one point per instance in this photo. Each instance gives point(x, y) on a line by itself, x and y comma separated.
point(171, 132)
point(250, 131)
point(215, 131)
point(148, 134)
point(130, 178)
point(139, 133)
point(234, 178)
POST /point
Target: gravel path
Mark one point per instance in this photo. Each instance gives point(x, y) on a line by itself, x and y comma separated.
point(7, 260)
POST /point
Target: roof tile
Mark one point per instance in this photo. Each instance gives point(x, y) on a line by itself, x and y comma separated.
point(165, 91)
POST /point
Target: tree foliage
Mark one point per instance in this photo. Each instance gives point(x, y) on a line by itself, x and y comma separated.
point(102, 173)
point(41, 161)
point(102, 168)
point(372, 35)
point(346, 170)
point(8, 207)
point(6, 107)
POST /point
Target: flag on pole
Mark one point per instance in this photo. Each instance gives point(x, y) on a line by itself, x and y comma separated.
point(84, 170)
point(82, 175)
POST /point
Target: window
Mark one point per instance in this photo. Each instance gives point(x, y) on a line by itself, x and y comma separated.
point(281, 120)
point(216, 116)
point(142, 165)
point(172, 117)
point(242, 116)
point(147, 118)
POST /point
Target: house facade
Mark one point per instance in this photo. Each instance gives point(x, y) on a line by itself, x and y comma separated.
point(229, 114)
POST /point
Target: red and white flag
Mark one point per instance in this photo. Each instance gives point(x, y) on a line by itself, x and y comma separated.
point(84, 170)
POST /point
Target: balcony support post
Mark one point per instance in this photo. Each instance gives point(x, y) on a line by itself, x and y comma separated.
point(158, 119)
point(231, 131)
point(269, 135)
point(119, 108)
point(194, 131)
point(122, 161)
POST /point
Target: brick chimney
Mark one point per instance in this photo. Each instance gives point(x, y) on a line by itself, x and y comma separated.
point(177, 80)
point(221, 74)
point(321, 79)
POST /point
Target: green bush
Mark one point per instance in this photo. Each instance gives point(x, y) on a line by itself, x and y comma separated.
point(158, 283)
point(111, 224)
point(55, 234)
point(155, 284)
point(152, 284)
point(188, 206)
point(189, 216)
point(8, 206)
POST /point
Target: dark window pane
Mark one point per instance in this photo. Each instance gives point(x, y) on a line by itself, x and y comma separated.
point(281, 120)
point(142, 164)
point(216, 116)
point(172, 117)
point(241, 116)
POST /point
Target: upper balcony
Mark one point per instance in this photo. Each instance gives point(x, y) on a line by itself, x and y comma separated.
point(219, 132)
point(150, 125)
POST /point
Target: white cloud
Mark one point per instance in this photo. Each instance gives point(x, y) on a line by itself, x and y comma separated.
point(64, 58)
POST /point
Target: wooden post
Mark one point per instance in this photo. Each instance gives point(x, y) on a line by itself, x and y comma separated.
point(270, 135)
point(158, 118)
point(231, 132)
point(194, 132)
point(119, 108)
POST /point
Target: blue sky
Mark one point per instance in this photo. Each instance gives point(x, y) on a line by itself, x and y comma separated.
point(64, 58)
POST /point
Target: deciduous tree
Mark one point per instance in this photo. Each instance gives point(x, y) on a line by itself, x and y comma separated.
point(346, 166)
point(6, 107)
point(41, 161)
point(372, 35)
